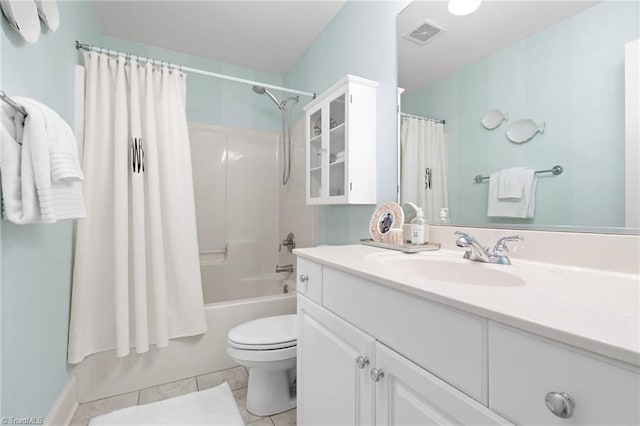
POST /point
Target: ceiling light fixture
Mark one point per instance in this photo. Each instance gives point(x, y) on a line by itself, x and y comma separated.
point(463, 7)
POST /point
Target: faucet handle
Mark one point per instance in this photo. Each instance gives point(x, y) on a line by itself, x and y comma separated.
point(501, 248)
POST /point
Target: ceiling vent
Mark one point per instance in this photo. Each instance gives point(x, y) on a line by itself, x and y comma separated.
point(425, 33)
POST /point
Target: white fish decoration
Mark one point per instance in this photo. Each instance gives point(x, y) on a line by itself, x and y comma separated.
point(494, 118)
point(524, 130)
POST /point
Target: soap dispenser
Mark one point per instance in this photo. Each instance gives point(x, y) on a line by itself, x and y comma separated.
point(418, 228)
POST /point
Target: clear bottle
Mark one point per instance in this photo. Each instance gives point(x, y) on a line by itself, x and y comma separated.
point(418, 228)
point(444, 217)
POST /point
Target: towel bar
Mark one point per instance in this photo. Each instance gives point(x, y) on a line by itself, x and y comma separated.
point(13, 103)
point(556, 170)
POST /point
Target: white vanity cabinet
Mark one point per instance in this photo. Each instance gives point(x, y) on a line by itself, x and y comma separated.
point(370, 352)
point(346, 376)
point(341, 144)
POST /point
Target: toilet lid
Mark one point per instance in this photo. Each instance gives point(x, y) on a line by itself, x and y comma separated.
point(265, 333)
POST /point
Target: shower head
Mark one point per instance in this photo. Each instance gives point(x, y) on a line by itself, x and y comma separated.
point(262, 91)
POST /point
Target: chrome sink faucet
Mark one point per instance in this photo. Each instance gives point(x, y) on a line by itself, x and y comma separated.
point(479, 253)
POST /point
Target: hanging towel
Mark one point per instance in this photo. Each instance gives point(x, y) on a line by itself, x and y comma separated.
point(10, 168)
point(523, 207)
point(23, 198)
point(67, 197)
point(30, 194)
point(511, 183)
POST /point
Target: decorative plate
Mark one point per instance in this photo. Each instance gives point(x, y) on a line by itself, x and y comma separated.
point(386, 217)
point(48, 11)
point(494, 118)
point(524, 130)
point(23, 17)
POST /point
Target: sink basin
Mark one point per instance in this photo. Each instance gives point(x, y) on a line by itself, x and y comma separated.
point(449, 270)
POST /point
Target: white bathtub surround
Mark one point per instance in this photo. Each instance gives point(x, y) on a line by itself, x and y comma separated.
point(424, 175)
point(136, 275)
point(236, 179)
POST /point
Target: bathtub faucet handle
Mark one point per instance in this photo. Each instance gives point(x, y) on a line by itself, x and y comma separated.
point(289, 242)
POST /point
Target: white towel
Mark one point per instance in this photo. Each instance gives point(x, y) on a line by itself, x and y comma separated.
point(511, 182)
point(20, 202)
point(30, 195)
point(35, 172)
point(520, 208)
point(63, 149)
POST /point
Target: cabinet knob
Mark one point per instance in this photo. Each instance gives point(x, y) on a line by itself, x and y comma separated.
point(376, 374)
point(561, 404)
point(304, 278)
point(362, 361)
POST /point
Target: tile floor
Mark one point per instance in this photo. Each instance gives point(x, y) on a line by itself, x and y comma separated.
point(236, 378)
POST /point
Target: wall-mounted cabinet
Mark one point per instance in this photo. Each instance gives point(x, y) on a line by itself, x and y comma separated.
point(341, 144)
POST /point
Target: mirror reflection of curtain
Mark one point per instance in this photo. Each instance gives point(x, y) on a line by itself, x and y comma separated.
point(423, 179)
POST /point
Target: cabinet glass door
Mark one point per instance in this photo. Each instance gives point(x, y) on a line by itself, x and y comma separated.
point(337, 146)
point(315, 154)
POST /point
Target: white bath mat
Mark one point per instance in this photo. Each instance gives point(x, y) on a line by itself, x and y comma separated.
point(210, 407)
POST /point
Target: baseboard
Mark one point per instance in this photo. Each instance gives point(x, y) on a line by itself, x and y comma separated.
point(65, 406)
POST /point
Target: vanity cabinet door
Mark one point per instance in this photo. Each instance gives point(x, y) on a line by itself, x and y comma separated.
point(334, 387)
point(409, 395)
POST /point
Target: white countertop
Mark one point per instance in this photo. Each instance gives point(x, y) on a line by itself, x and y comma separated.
point(595, 310)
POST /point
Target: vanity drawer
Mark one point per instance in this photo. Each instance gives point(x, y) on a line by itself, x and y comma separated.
point(448, 343)
point(523, 368)
point(309, 280)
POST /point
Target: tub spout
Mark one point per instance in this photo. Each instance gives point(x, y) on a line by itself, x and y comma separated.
point(285, 268)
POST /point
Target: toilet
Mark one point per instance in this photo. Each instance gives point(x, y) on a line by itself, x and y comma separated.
point(267, 348)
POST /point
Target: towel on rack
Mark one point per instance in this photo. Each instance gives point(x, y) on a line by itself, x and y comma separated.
point(63, 149)
point(511, 182)
point(20, 201)
point(523, 207)
point(66, 173)
point(41, 179)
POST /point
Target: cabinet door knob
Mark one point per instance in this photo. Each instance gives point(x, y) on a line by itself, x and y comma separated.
point(304, 278)
point(376, 374)
point(362, 361)
point(561, 404)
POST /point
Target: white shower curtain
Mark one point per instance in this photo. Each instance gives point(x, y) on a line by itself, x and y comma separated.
point(423, 176)
point(136, 276)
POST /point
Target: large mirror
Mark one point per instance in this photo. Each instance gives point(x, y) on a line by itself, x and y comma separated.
point(549, 74)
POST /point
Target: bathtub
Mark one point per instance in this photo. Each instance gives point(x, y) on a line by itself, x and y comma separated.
point(102, 375)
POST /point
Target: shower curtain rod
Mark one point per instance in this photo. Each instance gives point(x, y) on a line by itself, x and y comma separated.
point(419, 117)
point(89, 47)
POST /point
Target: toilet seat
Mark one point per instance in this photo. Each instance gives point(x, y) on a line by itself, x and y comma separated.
point(265, 334)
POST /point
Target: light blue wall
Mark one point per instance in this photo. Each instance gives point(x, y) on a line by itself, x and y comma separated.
point(360, 40)
point(571, 76)
point(36, 259)
point(212, 100)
